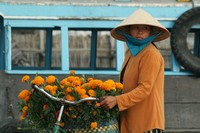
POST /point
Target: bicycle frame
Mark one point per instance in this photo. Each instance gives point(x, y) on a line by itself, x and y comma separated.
point(57, 128)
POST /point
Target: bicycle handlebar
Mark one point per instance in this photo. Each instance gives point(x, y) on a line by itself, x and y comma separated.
point(64, 100)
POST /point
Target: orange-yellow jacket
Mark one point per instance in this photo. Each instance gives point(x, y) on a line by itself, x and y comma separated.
point(142, 103)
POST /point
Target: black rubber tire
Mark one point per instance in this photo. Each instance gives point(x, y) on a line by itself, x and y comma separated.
point(179, 40)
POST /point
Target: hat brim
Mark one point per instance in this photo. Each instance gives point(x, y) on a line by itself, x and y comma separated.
point(164, 33)
point(141, 17)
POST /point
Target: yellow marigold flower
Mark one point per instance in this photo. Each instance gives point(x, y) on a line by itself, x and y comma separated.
point(93, 125)
point(25, 78)
point(38, 80)
point(25, 109)
point(119, 85)
point(24, 95)
point(91, 93)
point(50, 79)
point(70, 98)
point(72, 72)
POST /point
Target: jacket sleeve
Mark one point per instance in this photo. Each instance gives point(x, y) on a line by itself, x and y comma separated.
point(149, 67)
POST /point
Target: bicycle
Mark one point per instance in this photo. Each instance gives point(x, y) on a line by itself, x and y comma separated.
point(57, 128)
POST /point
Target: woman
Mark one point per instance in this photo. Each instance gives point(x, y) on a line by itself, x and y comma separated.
point(141, 105)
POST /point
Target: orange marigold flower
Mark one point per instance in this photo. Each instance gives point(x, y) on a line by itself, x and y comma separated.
point(25, 78)
point(48, 88)
point(54, 87)
point(84, 96)
point(53, 92)
point(69, 89)
point(71, 108)
point(50, 79)
point(82, 92)
point(32, 82)
point(38, 80)
point(77, 89)
point(45, 106)
point(97, 104)
point(111, 82)
point(93, 125)
point(70, 98)
point(95, 113)
point(74, 116)
point(68, 84)
point(62, 124)
point(89, 79)
point(84, 86)
point(24, 114)
point(25, 109)
point(94, 84)
point(62, 82)
point(106, 86)
point(24, 95)
point(21, 118)
point(62, 86)
point(72, 72)
point(76, 83)
point(72, 78)
point(119, 85)
point(82, 80)
point(91, 93)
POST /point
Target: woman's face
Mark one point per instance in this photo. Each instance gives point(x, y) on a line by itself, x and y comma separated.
point(140, 31)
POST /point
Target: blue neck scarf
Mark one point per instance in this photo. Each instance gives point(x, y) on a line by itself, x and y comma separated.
point(135, 45)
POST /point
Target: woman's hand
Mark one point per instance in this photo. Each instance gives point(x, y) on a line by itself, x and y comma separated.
point(109, 102)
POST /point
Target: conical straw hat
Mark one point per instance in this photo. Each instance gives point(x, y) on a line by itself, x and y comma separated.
point(140, 17)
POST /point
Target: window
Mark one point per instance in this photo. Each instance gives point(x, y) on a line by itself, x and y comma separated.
point(89, 49)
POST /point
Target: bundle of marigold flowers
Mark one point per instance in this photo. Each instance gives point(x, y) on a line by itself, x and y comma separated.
point(41, 112)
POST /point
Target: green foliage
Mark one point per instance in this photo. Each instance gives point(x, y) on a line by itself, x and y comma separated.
point(41, 112)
